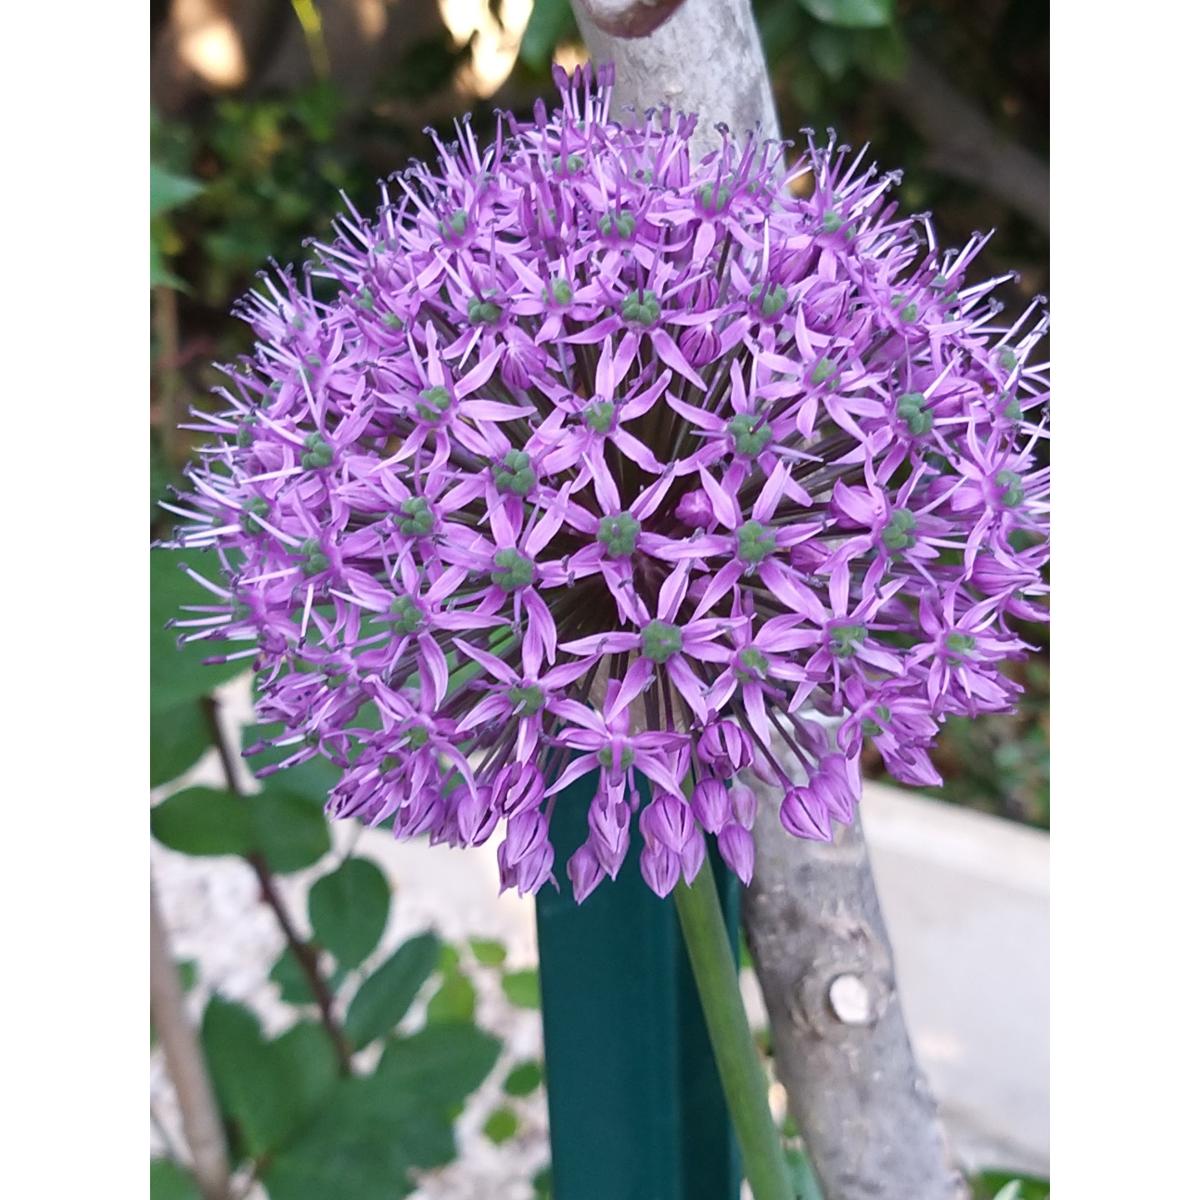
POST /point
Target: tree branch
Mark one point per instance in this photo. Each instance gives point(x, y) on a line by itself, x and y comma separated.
point(304, 952)
point(628, 18)
point(185, 1066)
point(704, 58)
point(812, 916)
point(965, 145)
point(823, 958)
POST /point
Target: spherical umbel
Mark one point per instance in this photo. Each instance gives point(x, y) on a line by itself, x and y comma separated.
point(584, 455)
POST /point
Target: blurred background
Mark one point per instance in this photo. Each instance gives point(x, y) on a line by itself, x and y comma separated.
point(262, 112)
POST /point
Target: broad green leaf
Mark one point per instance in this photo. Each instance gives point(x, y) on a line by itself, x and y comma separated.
point(501, 1125)
point(487, 952)
point(550, 23)
point(521, 987)
point(267, 1090)
point(348, 909)
point(363, 1144)
point(178, 737)
point(852, 14)
point(293, 983)
point(169, 1181)
point(290, 831)
point(201, 820)
point(443, 1064)
point(168, 190)
point(382, 1000)
point(543, 1184)
point(524, 1079)
point(370, 1133)
point(453, 1001)
point(178, 674)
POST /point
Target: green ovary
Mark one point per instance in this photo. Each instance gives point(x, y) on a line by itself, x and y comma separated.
point(527, 698)
point(750, 434)
point(845, 638)
point(641, 308)
point(607, 758)
point(599, 416)
point(408, 617)
point(432, 405)
point(514, 475)
point(618, 534)
point(661, 640)
point(512, 570)
point(898, 532)
point(415, 518)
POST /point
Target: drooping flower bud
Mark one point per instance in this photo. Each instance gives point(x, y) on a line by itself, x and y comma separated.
point(804, 815)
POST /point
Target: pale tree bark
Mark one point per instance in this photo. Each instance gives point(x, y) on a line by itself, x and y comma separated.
point(185, 1066)
point(812, 915)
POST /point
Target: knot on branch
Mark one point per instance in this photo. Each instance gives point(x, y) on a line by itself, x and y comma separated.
point(847, 989)
point(628, 18)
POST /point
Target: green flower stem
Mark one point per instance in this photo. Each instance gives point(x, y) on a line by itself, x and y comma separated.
point(742, 1077)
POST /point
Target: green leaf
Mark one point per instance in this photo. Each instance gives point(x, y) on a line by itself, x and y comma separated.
point(442, 1064)
point(178, 674)
point(363, 1144)
point(852, 14)
point(160, 274)
point(178, 737)
point(1009, 1185)
point(487, 952)
point(201, 820)
point(371, 1132)
point(169, 1181)
point(524, 1079)
point(267, 1090)
point(501, 1125)
point(831, 51)
point(882, 53)
point(383, 999)
point(288, 829)
point(293, 983)
point(543, 1184)
point(453, 1001)
point(348, 909)
point(521, 987)
point(168, 190)
point(550, 22)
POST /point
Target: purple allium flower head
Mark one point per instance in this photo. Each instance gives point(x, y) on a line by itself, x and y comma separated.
point(587, 455)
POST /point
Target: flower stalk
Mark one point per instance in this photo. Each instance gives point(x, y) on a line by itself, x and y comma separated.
point(738, 1065)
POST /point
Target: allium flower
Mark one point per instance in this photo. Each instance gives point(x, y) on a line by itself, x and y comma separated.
point(583, 455)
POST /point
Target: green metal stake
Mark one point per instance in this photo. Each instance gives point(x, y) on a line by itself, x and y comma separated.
point(636, 1106)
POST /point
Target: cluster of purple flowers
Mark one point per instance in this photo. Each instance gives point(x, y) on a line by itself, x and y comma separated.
point(586, 456)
